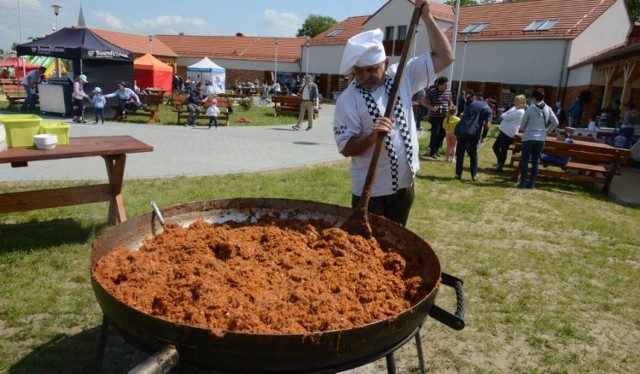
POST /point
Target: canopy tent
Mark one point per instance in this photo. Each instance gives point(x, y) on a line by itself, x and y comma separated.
point(17, 64)
point(207, 70)
point(104, 63)
point(151, 72)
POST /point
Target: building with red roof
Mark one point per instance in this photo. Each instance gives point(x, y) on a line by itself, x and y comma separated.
point(569, 48)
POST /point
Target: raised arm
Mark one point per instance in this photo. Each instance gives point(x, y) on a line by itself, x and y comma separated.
point(441, 52)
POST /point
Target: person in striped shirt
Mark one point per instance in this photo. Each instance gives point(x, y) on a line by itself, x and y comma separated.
point(438, 101)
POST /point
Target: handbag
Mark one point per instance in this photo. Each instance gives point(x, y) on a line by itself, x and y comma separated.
point(467, 127)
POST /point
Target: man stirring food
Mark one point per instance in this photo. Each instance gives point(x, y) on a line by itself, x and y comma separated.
point(358, 116)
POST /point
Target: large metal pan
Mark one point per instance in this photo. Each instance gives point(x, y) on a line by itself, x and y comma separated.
point(240, 352)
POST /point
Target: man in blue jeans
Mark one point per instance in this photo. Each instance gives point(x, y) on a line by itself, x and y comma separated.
point(438, 101)
point(29, 82)
point(538, 121)
point(479, 114)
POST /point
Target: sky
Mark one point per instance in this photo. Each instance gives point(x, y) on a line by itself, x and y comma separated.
point(280, 18)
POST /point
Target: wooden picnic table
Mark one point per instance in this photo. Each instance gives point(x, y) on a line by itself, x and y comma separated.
point(113, 149)
point(591, 162)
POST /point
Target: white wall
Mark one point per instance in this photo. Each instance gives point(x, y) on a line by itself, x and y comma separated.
point(580, 76)
point(609, 30)
point(523, 62)
point(397, 13)
point(323, 59)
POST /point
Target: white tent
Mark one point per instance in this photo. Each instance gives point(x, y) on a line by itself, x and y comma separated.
point(207, 70)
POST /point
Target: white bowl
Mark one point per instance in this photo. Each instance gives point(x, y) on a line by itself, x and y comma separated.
point(45, 141)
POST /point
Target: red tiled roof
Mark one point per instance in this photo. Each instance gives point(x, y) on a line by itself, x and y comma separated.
point(634, 37)
point(138, 44)
point(507, 20)
point(235, 47)
point(351, 26)
point(441, 11)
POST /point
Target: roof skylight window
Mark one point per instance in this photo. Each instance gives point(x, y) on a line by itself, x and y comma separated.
point(541, 25)
point(474, 28)
point(334, 33)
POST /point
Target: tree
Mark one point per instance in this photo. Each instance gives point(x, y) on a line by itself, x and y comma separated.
point(14, 46)
point(634, 7)
point(314, 25)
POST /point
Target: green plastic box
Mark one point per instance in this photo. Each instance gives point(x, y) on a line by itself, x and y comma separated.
point(58, 128)
point(20, 128)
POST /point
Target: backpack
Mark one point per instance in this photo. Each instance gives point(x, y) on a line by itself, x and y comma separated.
point(468, 127)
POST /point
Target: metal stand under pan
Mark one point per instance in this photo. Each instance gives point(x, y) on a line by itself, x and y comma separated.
point(168, 358)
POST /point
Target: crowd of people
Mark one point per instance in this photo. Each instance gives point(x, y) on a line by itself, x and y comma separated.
point(256, 87)
point(465, 124)
point(527, 119)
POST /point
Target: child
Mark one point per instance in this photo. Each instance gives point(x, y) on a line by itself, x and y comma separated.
point(622, 139)
point(562, 135)
point(98, 100)
point(449, 125)
point(212, 112)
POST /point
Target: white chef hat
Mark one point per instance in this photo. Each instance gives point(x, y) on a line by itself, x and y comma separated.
point(364, 49)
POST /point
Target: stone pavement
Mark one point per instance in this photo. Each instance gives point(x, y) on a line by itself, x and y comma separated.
point(185, 151)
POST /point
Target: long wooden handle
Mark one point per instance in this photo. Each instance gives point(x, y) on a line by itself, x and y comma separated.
point(393, 97)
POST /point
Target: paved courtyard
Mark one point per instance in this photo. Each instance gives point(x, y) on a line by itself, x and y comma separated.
point(180, 150)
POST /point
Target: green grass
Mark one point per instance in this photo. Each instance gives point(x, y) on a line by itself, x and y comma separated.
point(551, 278)
point(258, 115)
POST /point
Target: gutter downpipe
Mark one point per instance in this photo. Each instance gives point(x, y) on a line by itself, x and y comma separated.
point(565, 72)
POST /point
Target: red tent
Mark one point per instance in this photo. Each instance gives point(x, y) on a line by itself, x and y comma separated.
point(151, 72)
point(16, 63)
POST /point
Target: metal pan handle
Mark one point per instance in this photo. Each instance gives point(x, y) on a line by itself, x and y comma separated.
point(456, 321)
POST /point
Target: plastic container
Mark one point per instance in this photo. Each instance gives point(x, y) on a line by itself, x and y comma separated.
point(45, 141)
point(61, 129)
point(20, 128)
point(3, 139)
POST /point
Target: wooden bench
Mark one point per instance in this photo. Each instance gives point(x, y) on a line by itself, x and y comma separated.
point(224, 104)
point(152, 105)
point(590, 162)
point(15, 94)
point(290, 105)
point(10, 82)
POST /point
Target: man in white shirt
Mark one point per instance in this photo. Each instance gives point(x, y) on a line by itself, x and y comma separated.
point(308, 100)
point(358, 116)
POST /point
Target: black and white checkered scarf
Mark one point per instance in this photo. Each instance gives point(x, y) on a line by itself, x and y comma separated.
point(403, 127)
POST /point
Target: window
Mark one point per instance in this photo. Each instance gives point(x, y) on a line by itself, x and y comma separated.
point(541, 25)
point(548, 25)
point(388, 32)
point(402, 32)
point(475, 28)
point(334, 33)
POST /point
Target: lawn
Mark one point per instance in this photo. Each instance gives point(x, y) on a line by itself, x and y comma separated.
point(551, 274)
point(257, 115)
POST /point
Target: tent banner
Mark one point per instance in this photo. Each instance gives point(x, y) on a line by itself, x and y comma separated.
point(46, 50)
point(205, 70)
point(97, 54)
